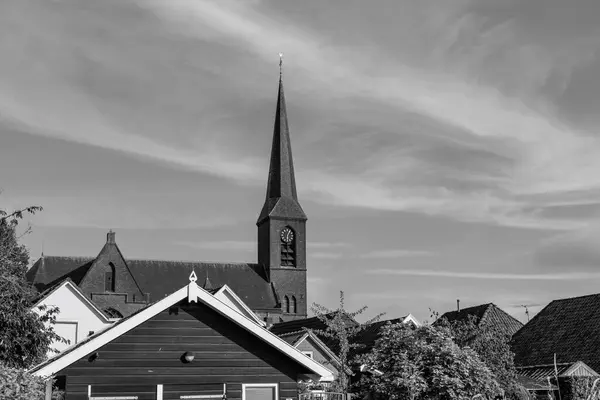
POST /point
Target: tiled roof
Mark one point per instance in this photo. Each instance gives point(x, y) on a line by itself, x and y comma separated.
point(161, 278)
point(293, 337)
point(51, 270)
point(541, 372)
point(486, 314)
point(569, 328)
point(299, 325)
point(367, 337)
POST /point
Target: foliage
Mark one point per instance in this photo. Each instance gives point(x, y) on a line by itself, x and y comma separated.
point(25, 336)
point(493, 347)
point(16, 384)
point(341, 330)
point(424, 363)
point(578, 387)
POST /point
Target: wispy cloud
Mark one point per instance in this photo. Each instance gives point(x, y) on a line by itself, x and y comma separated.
point(396, 253)
point(548, 155)
point(542, 153)
point(571, 276)
point(325, 255)
point(229, 245)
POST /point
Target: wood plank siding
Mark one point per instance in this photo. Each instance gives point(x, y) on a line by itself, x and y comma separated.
point(151, 354)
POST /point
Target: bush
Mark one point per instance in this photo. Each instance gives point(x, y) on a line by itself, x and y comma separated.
point(17, 384)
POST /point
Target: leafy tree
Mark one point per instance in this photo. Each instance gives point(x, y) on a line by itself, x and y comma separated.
point(26, 335)
point(425, 363)
point(492, 344)
point(340, 332)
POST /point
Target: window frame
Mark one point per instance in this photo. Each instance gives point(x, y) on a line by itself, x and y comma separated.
point(269, 385)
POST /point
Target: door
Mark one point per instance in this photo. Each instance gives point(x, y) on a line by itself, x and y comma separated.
point(259, 391)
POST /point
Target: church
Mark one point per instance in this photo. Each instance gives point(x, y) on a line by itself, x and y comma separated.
point(274, 286)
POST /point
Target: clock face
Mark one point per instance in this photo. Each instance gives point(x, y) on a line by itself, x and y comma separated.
point(287, 235)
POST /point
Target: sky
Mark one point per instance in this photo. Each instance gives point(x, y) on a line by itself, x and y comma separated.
point(444, 149)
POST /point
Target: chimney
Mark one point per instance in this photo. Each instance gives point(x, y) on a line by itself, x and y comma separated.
point(457, 305)
point(110, 237)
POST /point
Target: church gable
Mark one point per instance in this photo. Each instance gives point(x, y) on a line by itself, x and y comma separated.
point(110, 284)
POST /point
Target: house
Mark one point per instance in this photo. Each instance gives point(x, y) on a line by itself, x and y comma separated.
point(540, 380)
point(367, 337)
point(77, 318)
point(273, 286)
point(188, 345)
point(485, 315)
point(311, 346)
point(568, 329)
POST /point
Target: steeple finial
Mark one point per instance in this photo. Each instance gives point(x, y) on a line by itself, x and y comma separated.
point(280, 65)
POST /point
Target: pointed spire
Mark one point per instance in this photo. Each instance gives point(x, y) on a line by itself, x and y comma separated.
point(207, 283)
point(282, 180)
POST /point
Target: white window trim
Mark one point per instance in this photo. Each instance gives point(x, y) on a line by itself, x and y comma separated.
point(308, 354)
point(245, 385)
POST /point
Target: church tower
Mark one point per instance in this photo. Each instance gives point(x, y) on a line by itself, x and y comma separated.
point(282, 223)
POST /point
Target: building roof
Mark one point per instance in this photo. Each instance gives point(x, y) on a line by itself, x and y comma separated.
point(159, 278)
point(299, 325)
point(48, 271)
point(193, 293)
point(569, 328)
point(541, 372)
point(486, 314)
point(281, 198)
point(367, 337)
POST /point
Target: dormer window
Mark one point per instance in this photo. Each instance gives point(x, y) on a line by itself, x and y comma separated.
point(109, 278)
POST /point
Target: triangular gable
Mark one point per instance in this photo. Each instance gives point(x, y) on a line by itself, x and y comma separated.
point(580, 368)
point(69, 285)
point(193, 293)
point(104, 254)
point(318, 343)
point(411, 318)
point(228, 296)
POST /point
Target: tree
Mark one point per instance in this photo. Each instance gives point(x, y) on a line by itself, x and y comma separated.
point(425, 363)
point(492, 345)
point(341, 329)
point(25, 336)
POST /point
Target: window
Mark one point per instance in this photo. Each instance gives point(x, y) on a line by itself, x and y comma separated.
point(288, 247)
point(286, 304)
point(109, 278)
point(308, 354)
point(260, 391)
point(294, 304)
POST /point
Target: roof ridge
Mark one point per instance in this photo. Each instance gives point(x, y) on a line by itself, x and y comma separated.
point(191, 261)
point(574, 297)
point(127, 259)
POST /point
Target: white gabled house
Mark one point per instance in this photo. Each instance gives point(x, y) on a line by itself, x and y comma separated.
point(77, 316)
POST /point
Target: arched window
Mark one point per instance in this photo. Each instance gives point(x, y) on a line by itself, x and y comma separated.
point(294, 304)
point(288, 247)
point(112, 313)
point(286, 304)
point(109, 278)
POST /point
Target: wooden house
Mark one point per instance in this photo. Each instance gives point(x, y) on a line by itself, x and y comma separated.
point(189, 345)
